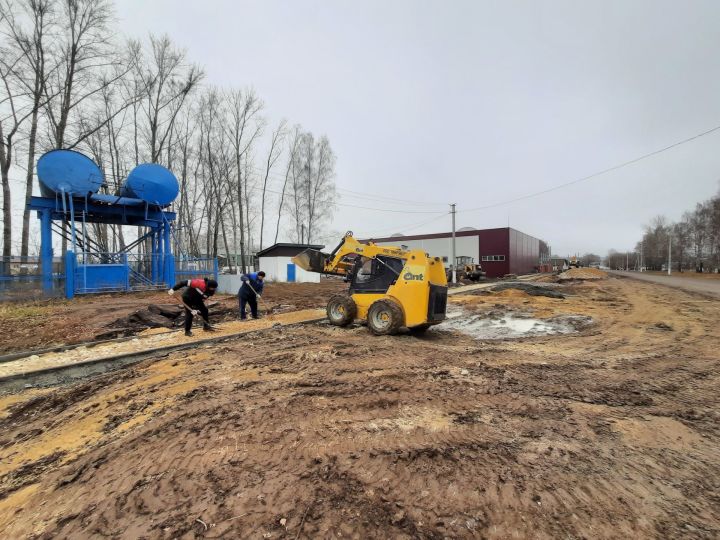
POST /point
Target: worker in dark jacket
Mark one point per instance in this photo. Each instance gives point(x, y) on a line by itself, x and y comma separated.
point(250, 291)
point(194, 296)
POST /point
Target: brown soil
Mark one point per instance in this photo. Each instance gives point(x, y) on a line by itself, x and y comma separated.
point(318, 432)
point(583, 273)
point(36, 325)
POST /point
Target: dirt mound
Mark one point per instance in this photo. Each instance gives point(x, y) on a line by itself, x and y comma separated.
point(161, 316)
point(152, 316)
point(532, 290)
point(583, 273)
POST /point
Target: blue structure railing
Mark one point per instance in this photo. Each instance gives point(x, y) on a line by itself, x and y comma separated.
point(95, 272)
point(91, 271)
point(189, 268)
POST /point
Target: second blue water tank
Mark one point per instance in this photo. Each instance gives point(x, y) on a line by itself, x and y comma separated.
point(152, 183)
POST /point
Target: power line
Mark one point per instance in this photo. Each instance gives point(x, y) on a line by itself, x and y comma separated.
point(412, 227)
point(258, 188)
point(281, 178)
point(391, 210)
point(594, 175)
point(360, 194)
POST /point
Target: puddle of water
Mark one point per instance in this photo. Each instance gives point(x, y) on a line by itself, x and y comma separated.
point(509, 325)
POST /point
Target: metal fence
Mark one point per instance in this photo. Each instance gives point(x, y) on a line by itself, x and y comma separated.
point(89, 272)
point(145, 272)
point(99, 272)
point(187, 268)
point(21, 279)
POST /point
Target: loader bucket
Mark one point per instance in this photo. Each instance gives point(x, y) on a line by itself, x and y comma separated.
point(311, 260)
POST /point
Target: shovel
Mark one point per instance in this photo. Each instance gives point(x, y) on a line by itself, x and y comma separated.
point(194, 311)
point(267, 308)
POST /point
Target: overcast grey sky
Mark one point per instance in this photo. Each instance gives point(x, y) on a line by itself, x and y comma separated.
point(477, 102)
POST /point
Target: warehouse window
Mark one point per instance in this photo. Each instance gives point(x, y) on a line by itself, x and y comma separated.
point(492, 258)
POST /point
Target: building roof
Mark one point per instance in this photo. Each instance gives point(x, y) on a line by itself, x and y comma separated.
point(462, 232)
point(285, 249)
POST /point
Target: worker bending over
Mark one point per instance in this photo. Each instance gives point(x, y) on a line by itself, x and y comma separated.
point(198, 290)
point(250, 291)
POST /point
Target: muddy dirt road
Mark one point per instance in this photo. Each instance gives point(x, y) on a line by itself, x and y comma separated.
point(319, 432)
point(709, 285)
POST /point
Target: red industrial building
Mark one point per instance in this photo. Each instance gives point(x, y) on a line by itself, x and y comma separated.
point(500, 251)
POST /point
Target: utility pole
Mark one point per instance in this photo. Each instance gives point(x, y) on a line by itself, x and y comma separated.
point(454, 273)
point(669, 254)
point(641, 256)
point(627, 259)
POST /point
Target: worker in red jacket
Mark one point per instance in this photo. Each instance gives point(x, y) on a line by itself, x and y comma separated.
point(194, 296)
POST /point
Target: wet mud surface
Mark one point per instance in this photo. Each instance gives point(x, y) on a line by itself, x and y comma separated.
point(317, 432)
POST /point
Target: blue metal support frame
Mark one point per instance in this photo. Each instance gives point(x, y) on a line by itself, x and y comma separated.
point(70, 266)
point(52, 209)
point(46, 251)
point(169, 269)
point(88, 275)
point(137, 216)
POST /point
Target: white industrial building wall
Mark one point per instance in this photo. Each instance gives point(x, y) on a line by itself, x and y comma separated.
point(275, 269)
point(229, 283)
point(468, 246)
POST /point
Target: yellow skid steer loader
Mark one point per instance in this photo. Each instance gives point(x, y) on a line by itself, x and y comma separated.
point(389, 286)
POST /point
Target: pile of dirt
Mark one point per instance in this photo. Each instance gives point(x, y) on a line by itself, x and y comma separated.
point(582, 273)
point(162, 316)
point(532, 290)
point(152, 316)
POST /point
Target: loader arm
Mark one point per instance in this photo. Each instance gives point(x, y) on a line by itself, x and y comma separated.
point(336, 264)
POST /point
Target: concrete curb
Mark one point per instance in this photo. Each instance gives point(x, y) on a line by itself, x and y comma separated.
point(62, 348)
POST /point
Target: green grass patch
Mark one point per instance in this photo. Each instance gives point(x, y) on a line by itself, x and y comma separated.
point(22, 311)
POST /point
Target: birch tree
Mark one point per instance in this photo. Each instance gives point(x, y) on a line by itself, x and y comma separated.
point(245, 126)
point(273, 155)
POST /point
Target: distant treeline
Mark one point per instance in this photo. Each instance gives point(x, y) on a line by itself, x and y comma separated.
point(694, 242)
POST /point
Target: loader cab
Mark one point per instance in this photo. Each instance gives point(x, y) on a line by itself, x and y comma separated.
point(373, 276)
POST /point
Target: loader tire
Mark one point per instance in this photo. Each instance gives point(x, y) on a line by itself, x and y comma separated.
point(341, 310)
point(385, 317)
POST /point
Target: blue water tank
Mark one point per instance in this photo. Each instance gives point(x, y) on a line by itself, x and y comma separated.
point(68, 171)
point(152, 183)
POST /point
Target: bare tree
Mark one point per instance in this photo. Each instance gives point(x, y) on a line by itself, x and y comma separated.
point(68, 83)
point(245, 126)
point(320, 187)
point(165, 82)
point(32, 72)
point(273, 155)
point(290, 172)
point(11, 118)
point(312, 188)
point(86, 64)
